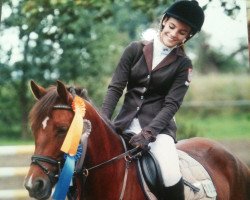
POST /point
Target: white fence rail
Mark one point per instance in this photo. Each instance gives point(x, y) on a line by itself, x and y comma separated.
point(14, 172)
point(16, 150)
point(13, 194)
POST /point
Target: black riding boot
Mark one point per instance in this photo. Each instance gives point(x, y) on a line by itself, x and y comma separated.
point(175, 192)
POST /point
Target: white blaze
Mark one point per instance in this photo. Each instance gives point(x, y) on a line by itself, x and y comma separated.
point(45, 122)
point(29, 182)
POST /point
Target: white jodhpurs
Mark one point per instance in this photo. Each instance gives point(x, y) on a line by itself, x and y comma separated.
point(165, 152)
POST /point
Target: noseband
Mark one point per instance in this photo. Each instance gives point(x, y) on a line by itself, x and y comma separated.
point(39, 160)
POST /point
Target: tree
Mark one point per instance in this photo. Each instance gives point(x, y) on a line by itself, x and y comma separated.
point(74, 41)
point(77, 41)
point(1, 3)
point(248, 27)
point(209, 59)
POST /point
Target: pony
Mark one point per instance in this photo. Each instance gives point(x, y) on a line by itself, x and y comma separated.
point(111, 174)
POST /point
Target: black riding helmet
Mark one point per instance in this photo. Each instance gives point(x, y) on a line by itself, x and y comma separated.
point(188, 12)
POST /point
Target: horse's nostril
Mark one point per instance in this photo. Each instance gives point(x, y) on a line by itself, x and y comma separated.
point(40, 188)
point(39, 184)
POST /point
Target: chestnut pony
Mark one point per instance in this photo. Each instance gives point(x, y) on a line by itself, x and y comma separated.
point(111, 181)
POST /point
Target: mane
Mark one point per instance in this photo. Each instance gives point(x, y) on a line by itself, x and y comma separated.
point(82, 92)
point(44, 106)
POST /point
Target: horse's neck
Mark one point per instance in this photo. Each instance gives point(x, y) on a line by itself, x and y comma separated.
point(104, 137)
point(107, 178)
point(104, 143)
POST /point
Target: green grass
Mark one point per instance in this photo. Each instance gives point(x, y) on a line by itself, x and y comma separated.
point(215, 121)
point(218, 126)
point(219, 87)
point(222, 126)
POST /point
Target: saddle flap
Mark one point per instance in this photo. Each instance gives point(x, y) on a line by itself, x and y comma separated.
point(151, 173)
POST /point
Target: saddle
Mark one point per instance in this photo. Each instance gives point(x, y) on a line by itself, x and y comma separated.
point(198, 183)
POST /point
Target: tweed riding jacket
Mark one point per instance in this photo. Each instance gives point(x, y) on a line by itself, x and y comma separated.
point(153, 96)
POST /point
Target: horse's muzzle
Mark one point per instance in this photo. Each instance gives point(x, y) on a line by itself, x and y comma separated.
point(39, 188)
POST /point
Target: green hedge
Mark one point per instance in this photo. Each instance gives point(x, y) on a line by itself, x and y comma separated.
point(219, 87)
point(216, 106)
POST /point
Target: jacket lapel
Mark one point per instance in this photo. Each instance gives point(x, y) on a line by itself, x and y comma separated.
point(148, 54)
point(170, 58)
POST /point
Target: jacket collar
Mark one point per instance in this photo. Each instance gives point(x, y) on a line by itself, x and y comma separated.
point(170, 58)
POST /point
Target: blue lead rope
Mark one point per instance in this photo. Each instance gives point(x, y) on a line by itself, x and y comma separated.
point(66, 175)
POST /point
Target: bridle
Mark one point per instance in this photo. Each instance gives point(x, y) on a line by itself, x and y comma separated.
point(38, 160)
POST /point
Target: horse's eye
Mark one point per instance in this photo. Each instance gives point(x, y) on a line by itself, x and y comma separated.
point(62, 130)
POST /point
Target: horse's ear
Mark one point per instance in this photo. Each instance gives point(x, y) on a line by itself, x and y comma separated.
point(38, 91)
point(63, 92)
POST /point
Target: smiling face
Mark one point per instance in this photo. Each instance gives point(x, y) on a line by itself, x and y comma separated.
point(174, 32)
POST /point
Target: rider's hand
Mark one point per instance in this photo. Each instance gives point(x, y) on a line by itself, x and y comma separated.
point(142, 139)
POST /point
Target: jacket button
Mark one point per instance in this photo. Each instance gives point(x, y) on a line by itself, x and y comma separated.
point(148, 76)
point(138, 108)
point(142, 97)
point(144, 89)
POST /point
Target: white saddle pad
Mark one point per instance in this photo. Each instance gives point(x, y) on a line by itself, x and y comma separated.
point(196, 174)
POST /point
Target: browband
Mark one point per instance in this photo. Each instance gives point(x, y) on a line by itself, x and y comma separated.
point(62, 106)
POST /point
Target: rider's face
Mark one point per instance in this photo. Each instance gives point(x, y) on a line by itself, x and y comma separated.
point(174, 32)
